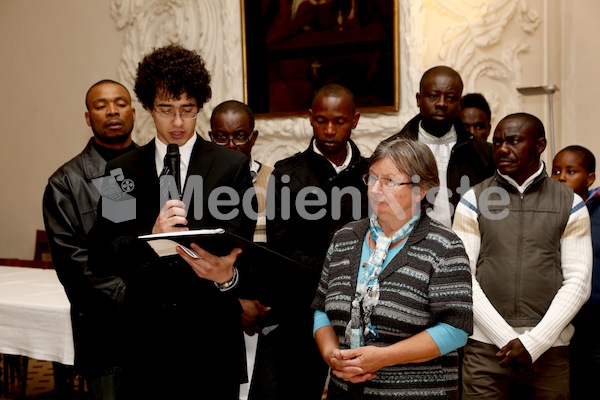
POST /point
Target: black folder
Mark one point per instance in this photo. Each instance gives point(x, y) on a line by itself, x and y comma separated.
point(264, 274)
point(216, 241)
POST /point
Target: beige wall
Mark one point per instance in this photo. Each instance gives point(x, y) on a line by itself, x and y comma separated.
point(51, 52)
point(581, 75)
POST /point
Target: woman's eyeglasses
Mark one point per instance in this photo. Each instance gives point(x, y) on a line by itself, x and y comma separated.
point(386, 184)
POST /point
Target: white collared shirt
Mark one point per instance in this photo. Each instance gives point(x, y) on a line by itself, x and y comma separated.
point(254, 168)
point(185, 152)
point(337, 168)
point(528, 181)
point(441, 147)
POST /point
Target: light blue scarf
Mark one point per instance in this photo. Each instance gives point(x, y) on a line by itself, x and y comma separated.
point(367, 287)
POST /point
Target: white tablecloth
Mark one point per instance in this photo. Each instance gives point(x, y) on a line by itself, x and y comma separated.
point(35, 316)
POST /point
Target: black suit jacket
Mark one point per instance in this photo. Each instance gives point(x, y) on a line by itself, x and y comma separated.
point(183, 333)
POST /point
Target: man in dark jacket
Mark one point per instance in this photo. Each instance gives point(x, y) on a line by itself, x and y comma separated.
point(463, 159)
point(69, 208)
point(310, 206)
point(178, 307)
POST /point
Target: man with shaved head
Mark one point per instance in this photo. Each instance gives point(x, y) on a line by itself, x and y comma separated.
point(463, 159)
point(69, 208)
point(529, 245)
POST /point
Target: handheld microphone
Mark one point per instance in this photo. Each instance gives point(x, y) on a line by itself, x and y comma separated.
point(172, 160)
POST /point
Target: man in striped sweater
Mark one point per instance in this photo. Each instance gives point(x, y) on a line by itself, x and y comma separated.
point(529, 244)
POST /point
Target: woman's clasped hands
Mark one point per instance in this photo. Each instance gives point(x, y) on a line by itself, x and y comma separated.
point(356, 365)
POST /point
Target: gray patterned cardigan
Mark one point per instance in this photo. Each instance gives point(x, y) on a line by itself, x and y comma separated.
point(429, 281)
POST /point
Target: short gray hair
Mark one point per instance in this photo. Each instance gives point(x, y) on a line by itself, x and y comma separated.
point(412, 158)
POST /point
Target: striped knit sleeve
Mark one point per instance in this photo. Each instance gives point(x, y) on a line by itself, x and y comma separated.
point(319, 300)
point(451, 297)
point(576, 263)
point(465, 225)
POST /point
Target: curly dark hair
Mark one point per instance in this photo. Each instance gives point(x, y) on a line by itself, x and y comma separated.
point(172, 70)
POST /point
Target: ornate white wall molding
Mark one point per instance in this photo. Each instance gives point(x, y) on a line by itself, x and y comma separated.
point(485, 44)
point(483, 40)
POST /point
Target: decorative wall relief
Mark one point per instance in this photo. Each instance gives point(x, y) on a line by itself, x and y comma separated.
point(486, 44)
point(483, 40)
point(200, 25)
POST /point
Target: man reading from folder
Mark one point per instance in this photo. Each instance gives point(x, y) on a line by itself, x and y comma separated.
point(184, 333)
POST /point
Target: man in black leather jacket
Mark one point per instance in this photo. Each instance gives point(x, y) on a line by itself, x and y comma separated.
point(458, 153)
point(69, 208)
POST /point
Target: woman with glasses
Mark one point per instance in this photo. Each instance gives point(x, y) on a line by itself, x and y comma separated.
point(394, 301)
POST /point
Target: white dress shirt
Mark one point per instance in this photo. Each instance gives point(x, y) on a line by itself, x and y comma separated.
point(185, 152)
point(441, 148)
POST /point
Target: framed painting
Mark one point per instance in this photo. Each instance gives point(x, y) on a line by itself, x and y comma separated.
point(293, 47)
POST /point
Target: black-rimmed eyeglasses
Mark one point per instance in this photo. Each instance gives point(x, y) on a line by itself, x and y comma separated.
point(239, 139)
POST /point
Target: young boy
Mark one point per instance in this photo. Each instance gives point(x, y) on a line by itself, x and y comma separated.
point(575, 166)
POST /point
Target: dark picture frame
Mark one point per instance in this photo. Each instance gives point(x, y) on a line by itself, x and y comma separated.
point(291, 48)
